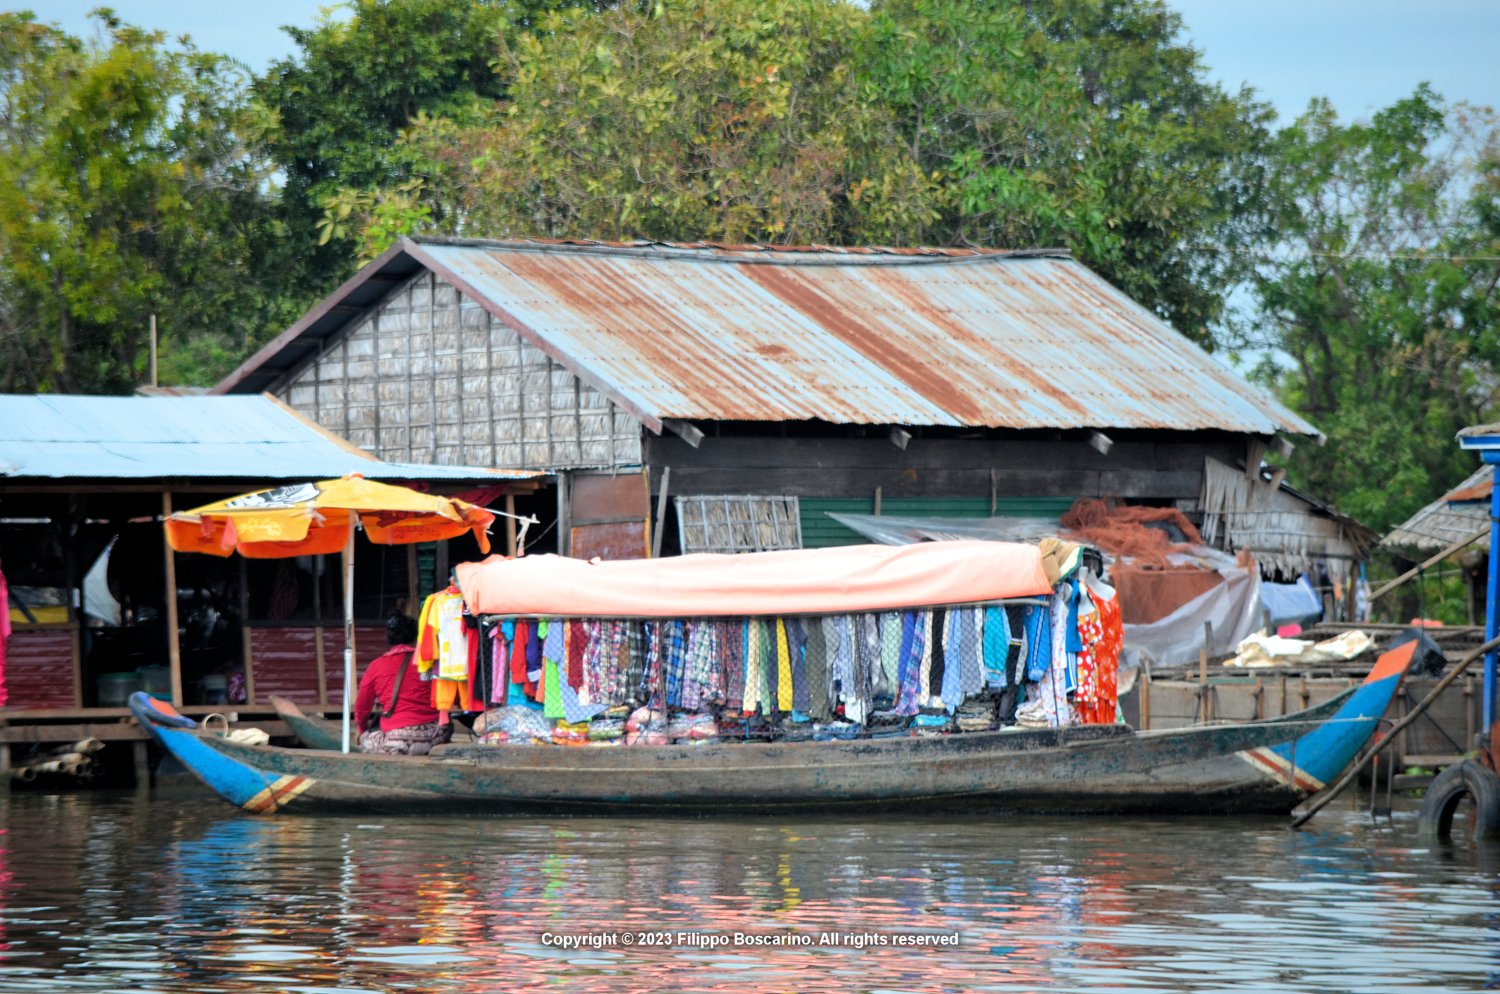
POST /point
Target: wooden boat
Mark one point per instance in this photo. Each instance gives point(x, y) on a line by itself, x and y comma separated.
point(312, 731)
point(1265, 767)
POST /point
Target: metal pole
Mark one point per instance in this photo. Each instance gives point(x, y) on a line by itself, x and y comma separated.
point(349, 626)
point(1491, 616)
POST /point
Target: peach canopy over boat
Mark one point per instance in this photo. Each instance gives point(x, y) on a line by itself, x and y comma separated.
point(800, 581)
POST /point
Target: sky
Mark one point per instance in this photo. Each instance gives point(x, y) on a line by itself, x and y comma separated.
point(1363, 54)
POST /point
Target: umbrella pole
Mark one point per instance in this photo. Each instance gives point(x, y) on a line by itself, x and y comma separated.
point(349, 627)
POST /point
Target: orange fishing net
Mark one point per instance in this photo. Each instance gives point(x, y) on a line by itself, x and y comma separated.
point(1126, 531)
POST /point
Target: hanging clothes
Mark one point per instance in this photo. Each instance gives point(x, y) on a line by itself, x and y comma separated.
point(913, 649)
point(732, 646)
point(1037, 621)
point(818, 697)
point(796, 640)
point(889, 683)
point(996, 642)
point(441, 639)
point(951, 690)
point(1107, 649)
point(784, 689)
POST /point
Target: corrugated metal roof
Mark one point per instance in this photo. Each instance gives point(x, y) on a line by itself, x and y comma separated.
point(917, 337)
point(73, 437)
point(1452, 518)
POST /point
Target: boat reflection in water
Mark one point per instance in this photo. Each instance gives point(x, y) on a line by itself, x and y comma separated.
point(180, 898)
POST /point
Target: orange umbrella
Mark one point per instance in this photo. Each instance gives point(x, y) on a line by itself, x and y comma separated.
point(309, 519)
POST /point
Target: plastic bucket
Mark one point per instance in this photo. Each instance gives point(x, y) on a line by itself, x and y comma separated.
point(114, 689)
point(157, 681)
point(215, 688)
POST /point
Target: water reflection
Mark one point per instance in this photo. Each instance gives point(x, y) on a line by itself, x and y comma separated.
point(126, 893)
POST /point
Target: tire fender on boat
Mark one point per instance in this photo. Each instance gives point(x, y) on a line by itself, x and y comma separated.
point(1466, 779)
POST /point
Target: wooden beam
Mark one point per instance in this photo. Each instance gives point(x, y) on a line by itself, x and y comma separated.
point(1439, 557)
point(661, 512)
point(685, 430)
point(246, 651)
point(510, 525)
point(174, 647)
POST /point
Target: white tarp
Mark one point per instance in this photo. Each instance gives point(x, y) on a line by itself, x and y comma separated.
point(98, 602)
point(1232, 608)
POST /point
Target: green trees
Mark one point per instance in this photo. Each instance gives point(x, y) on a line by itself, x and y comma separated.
point(1376, 309)
point(337, 107)
point(140, 177)
point(1079, 123)
point(126, 188)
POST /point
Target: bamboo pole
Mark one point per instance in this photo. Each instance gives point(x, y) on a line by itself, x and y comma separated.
point(1439, 557)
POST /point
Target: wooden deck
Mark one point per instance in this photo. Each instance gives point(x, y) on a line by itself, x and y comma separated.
point(1439, 738)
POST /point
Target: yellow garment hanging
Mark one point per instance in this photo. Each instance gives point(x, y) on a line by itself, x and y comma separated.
point(783, 669)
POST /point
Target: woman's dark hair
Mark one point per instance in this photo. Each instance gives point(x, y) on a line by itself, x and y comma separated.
point(401, 629)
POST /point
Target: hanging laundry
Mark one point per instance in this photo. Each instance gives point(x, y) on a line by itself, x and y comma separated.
point(818, 698)
point(996, 647)
point(796, 641)
point(913, 648)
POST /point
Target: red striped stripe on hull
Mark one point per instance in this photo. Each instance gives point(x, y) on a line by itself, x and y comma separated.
point(1278, 767)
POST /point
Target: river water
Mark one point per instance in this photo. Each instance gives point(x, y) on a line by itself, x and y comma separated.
point(177, 892)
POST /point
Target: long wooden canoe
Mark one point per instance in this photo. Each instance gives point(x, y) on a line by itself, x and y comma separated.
point(1100, 769)
point(312, 731)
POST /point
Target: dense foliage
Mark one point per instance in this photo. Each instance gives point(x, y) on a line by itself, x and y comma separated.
point(139, 175)
point(1377, 307)
point(128, 186)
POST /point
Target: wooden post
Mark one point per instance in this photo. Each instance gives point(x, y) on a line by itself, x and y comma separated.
point(413, 595)
point(661, 512)
point(74, 605)
point(1208, 636)
point(564, 511)
point(877, 502)
point(318, 650)
point(140, 763)
point(246, 650)
point(510, 525)
point(1144, 679)
point(174, 646)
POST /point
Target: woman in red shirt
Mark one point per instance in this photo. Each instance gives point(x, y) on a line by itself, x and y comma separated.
point(408, 726)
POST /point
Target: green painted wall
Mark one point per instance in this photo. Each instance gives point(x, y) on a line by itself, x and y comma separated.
point(820, 531)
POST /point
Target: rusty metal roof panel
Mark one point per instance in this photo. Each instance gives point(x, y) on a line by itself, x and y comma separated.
point(928, 337)
point(943, 337)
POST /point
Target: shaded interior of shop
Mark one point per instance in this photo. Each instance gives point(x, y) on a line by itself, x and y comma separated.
point(88, 576)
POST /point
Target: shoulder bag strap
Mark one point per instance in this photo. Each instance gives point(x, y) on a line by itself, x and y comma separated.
point(396, 690)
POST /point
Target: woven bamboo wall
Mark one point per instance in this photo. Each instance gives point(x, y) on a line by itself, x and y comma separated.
point(429, 376)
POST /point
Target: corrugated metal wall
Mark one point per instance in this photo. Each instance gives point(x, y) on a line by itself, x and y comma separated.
point(286, 660)
point(39, 669)
point(429, 376)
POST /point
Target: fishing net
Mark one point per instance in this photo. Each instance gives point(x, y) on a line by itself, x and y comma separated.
point(1144, 535)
